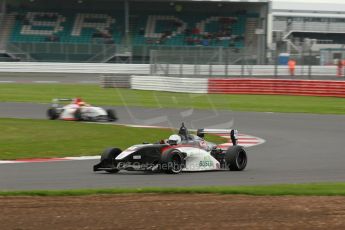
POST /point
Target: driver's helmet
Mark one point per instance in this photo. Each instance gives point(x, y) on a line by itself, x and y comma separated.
point(81, 103)
point(174, 139)
point(77, 100)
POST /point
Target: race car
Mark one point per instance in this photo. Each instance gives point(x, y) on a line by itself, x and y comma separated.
point(180, 152)
point(78, 110)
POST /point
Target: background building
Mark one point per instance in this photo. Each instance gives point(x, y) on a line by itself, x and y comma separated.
point(255, 31)
point(127, 31)
point(312, 26)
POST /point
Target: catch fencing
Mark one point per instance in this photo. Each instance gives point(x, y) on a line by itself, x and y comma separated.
point(243, 70)
point(176, 70)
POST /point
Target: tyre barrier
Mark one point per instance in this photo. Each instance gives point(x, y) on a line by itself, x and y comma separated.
point(277, 87)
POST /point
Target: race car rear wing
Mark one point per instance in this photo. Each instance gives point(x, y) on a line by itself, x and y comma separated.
point(232, 132)
point(56, 102)
point(61, 99)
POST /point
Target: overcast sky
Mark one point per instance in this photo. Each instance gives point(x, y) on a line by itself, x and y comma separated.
point(319, 5)
point(313, 1)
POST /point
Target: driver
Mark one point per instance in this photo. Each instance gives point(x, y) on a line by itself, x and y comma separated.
point(80, 102)
point(174, 140)
point(183, 132)
point(182, 136)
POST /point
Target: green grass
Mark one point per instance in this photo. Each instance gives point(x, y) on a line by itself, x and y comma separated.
point(22, 138)
point(322, 189)
point(125, 97)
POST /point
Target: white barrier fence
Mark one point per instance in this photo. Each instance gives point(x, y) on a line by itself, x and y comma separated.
point(55, 67)
point(170, 84)
point(163, 69)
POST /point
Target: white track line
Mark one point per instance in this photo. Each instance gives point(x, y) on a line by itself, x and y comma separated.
point(46, 82)
point(88, 82)
point(40, 160)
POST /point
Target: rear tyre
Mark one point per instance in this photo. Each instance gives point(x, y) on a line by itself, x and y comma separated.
point(52, 114)
point(111, 115)
point(108, 157)
point(172, 161)
point(236, 158)
point(78, 115)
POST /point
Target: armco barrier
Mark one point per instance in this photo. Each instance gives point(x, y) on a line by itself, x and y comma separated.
point(277, 87)
point(170, 84)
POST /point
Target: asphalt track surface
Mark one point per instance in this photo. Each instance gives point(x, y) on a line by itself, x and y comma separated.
point(299, 148)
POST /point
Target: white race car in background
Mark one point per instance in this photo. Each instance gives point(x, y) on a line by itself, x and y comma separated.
point(77, 110)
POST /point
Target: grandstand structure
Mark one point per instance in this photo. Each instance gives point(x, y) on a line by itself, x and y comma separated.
point(313, 28)
point(128, 30)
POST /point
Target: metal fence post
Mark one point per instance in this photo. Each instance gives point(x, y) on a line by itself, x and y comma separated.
point(275, 64)
point(309, 66)
point(210, 70)
point(226, 62)
point(220, 55)
point(181, 65)
point(303, 61)
point(242, 65)
point(167, 69)
point(151, 63)
point(195, 66)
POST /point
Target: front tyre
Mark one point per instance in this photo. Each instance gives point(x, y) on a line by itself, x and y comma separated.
point(52, 114)
point(111, 115)
point(236, 158)
point(172, 161)
point(108, 158)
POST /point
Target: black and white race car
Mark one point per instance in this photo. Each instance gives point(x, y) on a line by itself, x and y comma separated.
point(77, 110)
point(181, 152)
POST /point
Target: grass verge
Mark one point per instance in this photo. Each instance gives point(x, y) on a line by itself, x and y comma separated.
point(25, 138)
point(126, 97)
point(325, 189)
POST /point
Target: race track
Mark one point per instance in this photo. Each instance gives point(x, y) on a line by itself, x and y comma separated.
point(299, 148)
